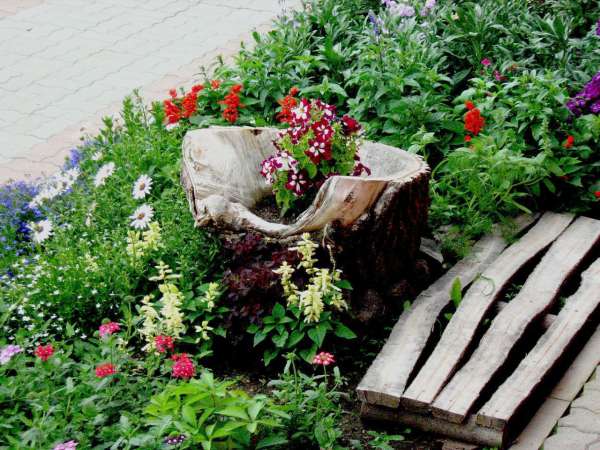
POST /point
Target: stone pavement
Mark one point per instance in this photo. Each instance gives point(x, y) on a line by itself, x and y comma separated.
point(580, 429)
point(67, 63)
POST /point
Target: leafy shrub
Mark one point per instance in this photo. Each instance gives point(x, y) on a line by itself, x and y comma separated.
point(209, 413)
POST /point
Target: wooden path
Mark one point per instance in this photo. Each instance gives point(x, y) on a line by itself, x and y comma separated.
point(495, 359)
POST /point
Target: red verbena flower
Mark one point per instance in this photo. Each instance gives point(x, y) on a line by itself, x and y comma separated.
point(163, 343)
point(197, 88)
point(569, 142)
point(173, 93)
point(474, 122)
point(469, 105)
point(323, 359)
point(104, 370)
point(215, 84)
point(44, 351)
point(183, 366)
point(108, 328)
point(468, 138)
point(597, 194)
point(287, 104)
point(189, 103)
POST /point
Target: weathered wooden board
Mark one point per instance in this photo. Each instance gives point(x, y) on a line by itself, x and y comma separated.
point(541, 425)
point(475, 306)
point(386, 379)
point(468, 431)
point(537, 295)
point(532, 370)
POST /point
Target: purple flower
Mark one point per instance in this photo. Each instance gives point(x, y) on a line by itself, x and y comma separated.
point(8, 352)
point(175, 440)
point(598, 28)
point(69, 445)
point(588, 100)
point(374, 23)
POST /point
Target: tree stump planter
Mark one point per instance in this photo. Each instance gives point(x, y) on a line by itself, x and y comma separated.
point(372, 224)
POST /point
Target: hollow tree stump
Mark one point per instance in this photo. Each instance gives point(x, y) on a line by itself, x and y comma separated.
point(373, 224)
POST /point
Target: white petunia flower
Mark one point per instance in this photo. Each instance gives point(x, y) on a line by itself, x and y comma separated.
point(103, 173)
point(142, 187)
point(41, 230)
point(142, 217)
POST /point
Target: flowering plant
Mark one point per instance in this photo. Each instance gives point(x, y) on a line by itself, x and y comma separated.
point(309, 316)
point(317, 145)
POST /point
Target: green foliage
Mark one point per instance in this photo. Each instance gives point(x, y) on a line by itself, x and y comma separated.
point(213, 415)
point(312, 405)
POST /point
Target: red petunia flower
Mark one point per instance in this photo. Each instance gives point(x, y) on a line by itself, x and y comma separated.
point(108, 328)
point(323, 359)
point(44, 351)
point(569, 142)
point(163, 343)
point(183, 366)
point(350, 125)
point(104, 370)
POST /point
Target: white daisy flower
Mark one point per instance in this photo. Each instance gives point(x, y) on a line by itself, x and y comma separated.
point(142, 187)
point(142, 217)
point(103, 173)
point(41, 230)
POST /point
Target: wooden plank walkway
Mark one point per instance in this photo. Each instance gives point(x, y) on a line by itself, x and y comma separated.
point(455, 379)
point(386, 379)
point(475, 306)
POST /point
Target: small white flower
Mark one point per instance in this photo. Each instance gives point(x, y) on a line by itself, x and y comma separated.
point(41, 230)
point(103, 173)
point(142, 187)
point(97, 156)
point(142, 217)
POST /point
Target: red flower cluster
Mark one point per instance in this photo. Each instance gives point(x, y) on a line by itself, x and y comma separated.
point(176, 108)
point(597, 194)
point(232, 103)
point(323, 359)
point(108, 328)
point(569, 142)
point(287, 103)
point(104, 370)
point(44, 351)
point(474, 122)
point(163, 343)
point(183, 366)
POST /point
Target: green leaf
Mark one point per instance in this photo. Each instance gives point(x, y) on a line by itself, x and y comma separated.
point(278, 311)
point(317, 334)
point(343, 331)
point(271, 441)
point(234, 411)
point(279, 339)
point(295, 337)
point(259, 337)
point(270, 355)
point(344, 284)
point(456, 292)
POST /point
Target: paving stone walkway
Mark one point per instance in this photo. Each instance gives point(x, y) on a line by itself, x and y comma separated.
point(67, 63)
point(580, 429)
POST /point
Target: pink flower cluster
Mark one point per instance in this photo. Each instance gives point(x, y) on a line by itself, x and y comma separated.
point(109, 328)
point(44, 351)
point(163, 343)
point(183, 367)
point(323, 359)
point(69, 445)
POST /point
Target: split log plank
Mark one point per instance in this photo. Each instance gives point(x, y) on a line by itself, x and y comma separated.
point(475, 306)
point(537, 295)
point(469, 431)
point(539, 428)
point(532, 371)
point(388, 375)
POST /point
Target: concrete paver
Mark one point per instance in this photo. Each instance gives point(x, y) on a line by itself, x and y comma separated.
point(68, 62)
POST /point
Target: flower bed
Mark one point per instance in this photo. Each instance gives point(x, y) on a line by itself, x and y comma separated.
point(115, 310)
